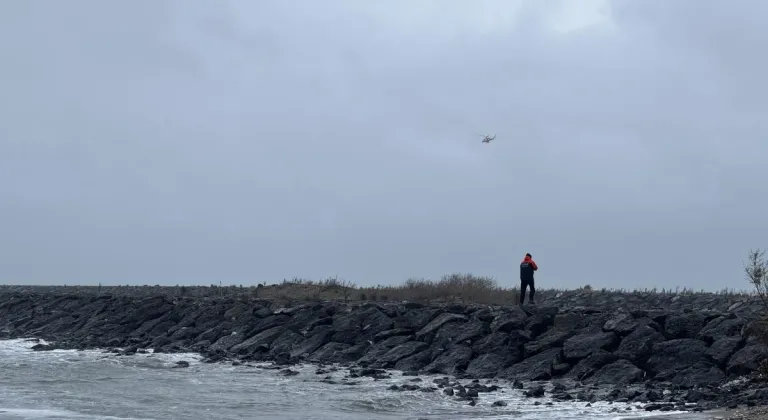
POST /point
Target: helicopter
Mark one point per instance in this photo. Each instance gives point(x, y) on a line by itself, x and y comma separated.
point(487, 138)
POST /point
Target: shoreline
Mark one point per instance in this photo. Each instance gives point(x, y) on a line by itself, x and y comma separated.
point(664, 357)
point(486, 390)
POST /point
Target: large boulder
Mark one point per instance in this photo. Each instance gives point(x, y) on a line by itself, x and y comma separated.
point(723, 348)
point(584, 344)
point(509, 321)
point(701, 375)
point(725, 326)
point(259, 342)
point(400, 352)
point(534, 368)
point(587, 367)
point(428, 332)
point(489, 365)
point(338, 353)
point(227, 342)
point(676, 355)
point(747, 359)
point(285, 343)
point(451, 361)
point(507, 345)
point(687, 325)
point(564, 326)
point(464, 333)
point(620, 372)
point(624, 323)
point(638, 345)
point(540, 320)
point(416, 319)
point(318, 338)
point(376, 351)
point(415, 362)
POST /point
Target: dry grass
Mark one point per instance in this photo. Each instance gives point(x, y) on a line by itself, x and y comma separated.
point(466, 288)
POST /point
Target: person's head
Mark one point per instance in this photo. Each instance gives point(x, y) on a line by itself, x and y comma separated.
point(527, 255)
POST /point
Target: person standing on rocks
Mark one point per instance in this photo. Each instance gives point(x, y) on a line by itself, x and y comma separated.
point(527, 267)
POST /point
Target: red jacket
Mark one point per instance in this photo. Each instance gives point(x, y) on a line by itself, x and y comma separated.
point(527, 267)
point(530, 261)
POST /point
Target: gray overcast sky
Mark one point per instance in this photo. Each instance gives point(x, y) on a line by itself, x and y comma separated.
point(192, 142)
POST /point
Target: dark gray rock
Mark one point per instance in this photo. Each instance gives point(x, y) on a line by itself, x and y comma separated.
point(534, 368)
point(725, 326)
point(619, 372)
point(465, 333)
point(285, 343)
point(638, 345)
point(723, 348)
point(227, 342)
point(676, 355)
point(415, 362)
point(509, 321)
point(450, 361)
point(584, 344)
point(390, 358)
point(438, 323)
point(540, 319)
point(747, 359)
point(701, 374)
point(318, 338)
point(489, 365)
point(392, 333)
point(684, 325)
point(258, 343)
point(376, 351)
point(587, 367)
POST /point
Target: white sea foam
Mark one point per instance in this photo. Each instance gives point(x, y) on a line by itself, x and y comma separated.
point(95, 384)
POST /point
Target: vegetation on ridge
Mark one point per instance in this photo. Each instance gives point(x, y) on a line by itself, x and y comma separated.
point(466, 288)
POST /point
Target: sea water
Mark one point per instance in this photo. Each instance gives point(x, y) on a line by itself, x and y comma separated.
point(94, 384)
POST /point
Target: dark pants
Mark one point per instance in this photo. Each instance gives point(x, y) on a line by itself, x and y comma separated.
point(524, 285)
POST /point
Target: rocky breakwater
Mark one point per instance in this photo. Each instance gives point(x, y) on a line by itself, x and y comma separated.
point(666, 358)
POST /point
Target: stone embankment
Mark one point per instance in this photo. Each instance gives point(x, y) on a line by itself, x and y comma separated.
point(703, 350)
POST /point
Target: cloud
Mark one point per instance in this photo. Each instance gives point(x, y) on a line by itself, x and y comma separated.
point(184, 143)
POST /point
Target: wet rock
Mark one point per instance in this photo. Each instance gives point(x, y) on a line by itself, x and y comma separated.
point(391, 357)
point(257, 343)
point(438, 323)
point(723, 348)
point(638, 345)
point(487, 365)
point(318, 338)
point(509, 321)
point(584, 344)
point(392, 333)
point(684, 325)
point(376, 351)
point(463, 333)
point(415, 362)
point(535, 368)
point(43, 347)
point(701, 374)
point(676, 355)
point(726, 326)
point(182, 364)
point(624, 323)
point(451, 361)
point(550, 340)
point(586, 367)
point(566, 335)
point(747, 359)
point(535, 392)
